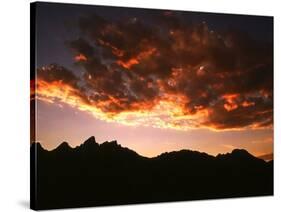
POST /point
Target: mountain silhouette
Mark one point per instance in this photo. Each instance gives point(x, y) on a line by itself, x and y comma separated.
point(95, 174)
point(63, 147)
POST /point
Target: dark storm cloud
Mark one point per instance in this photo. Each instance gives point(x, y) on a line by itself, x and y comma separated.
point(131, 65)
point(56, 72)
point(260, 114)
point(81, 46)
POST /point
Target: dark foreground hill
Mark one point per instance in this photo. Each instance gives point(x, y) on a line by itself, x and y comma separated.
point(95, 174)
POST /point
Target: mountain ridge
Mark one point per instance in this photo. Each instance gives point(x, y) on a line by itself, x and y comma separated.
point(91, 141)
point(93, 174)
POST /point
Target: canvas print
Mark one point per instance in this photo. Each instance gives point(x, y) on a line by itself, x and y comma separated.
point(132, 105)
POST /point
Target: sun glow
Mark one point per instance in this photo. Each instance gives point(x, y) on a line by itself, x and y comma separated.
point(168, 112)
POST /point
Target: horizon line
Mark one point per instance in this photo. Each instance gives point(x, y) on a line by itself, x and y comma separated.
point(114, 140)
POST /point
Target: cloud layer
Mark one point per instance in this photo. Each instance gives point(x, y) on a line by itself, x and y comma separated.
point(167, 74)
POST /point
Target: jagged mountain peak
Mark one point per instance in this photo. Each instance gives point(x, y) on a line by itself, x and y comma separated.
point(90, 143)
point(64, 146)
point(242, 154)
point(91, 139)
point(97, 170)
point(112, 143)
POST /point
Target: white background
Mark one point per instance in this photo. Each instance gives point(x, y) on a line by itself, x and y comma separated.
point(14, 111)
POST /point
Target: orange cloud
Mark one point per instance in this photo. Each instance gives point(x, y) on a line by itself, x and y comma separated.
point(58, 91)
point(116, 51)
point(230, 106)
point(230, 101)
point(248, 104)
point(128, 64)
point(167, 112)
point(182, 76)
point(80, 57)
point(133, 61)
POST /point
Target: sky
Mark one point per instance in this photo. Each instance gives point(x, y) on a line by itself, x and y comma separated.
point(154, 80)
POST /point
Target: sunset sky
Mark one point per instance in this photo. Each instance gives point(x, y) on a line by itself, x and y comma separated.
point(154, 80)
